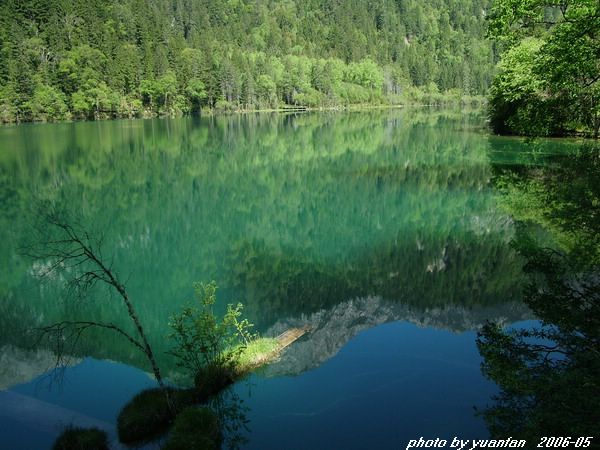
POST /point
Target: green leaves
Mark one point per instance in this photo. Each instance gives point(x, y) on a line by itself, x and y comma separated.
point(518, 78)
point(510, 18)
point(196, 89)
point(549, 77)
point(243, 327)
point(201, 339)
point(48, 104)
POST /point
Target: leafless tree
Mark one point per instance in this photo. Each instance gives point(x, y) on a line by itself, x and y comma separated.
point(63, 245)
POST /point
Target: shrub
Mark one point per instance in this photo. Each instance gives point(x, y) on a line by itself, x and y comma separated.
point(216, 352)
point(212, 379)
point(205, 343)
point(195, 429)
point(149, 414)
point(74, 438)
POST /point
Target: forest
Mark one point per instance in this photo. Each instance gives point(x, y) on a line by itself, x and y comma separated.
point(91, 59)
point(548, 79)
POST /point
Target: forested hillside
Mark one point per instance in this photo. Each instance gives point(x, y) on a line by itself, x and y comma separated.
point(65, 59)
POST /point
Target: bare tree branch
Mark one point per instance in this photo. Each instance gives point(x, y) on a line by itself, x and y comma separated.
point(68, 329)
point(71, 248)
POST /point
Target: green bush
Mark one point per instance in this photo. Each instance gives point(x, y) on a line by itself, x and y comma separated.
point(310, 97)
point(195, 429)
point(216, 351)
point(149, 414)
point(74, 438)
point(212, 379)
point(203, 341)
point(48, 104)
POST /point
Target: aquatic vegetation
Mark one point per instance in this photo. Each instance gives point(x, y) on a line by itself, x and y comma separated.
point(151, 412)
point(216, 351)
point(202, 339)
point(75, 438)
point(212, 379)
point(195, 428)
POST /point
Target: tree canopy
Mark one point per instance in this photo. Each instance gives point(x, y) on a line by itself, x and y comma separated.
point(548, 80)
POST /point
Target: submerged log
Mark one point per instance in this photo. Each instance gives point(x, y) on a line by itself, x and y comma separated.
point(284, 340)
point(288, 337)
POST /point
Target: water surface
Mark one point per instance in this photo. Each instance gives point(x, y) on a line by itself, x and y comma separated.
point(380, 230)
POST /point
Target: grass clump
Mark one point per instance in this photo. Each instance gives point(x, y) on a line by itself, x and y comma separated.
point(255, 354)
point(75, 438)
point(195, 429)
point(212, 379)
point(149, 414)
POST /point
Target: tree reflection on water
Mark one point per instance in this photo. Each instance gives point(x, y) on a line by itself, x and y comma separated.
point(549, 374)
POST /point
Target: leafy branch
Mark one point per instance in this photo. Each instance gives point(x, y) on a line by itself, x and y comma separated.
point(203, 340)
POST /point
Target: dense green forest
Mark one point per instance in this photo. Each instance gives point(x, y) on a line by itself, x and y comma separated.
point(79, 59)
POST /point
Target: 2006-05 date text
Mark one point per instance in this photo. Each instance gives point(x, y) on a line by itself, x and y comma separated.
point(556, 442)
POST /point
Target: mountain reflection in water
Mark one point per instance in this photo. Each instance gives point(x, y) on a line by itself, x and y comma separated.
point(341, 221)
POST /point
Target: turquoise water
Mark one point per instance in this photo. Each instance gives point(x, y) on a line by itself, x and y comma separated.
point(380, 230)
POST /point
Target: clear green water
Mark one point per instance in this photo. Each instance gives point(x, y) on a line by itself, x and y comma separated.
point(342, 221)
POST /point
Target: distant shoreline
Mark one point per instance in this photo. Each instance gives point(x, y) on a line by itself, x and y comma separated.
point(444, 101)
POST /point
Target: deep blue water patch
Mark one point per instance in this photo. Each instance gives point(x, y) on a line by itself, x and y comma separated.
point(389, 384)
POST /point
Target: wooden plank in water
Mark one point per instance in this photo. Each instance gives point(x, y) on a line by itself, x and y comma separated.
point(283, 340)
point(293, 334)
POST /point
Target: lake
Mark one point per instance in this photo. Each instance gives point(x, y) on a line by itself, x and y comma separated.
point(381, 230)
